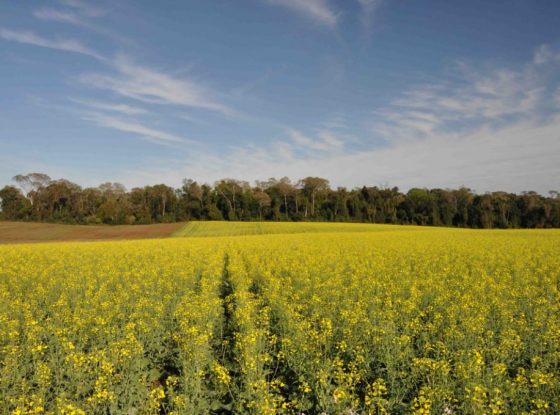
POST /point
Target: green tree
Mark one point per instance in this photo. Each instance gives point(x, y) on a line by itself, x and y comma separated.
point(312, 187)
point(263, 200)
point(31, 183)
point(13, 205)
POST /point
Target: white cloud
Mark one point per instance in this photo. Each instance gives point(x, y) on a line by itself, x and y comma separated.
point(488, 96)
point(472, 98)
point(57, 16)
point(84, 7)
point(68, 45)
point(546, 54)
point(319, 11)
point(515, 158)
point(152, 86)
point(325, 141)
point(338, 122)
point(81, 19)
point(484, 130)
point(131, 126)
point(107, 106)
point(369, 7)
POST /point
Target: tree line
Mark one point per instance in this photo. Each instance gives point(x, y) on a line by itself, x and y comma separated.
point(37, 197)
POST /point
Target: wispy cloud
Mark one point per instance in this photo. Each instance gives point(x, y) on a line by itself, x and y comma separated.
point(68, 45)
point(57, 16)
point(191, 119)
point(505, 143)
point(471, 98)
point(319, 11)
point(81, 19)
point(153, 86)
point(113, 107)
point(337, 122)
point(134, 127)
point(324, 141)
point(369, 8)
point(546, 54)
point(255, 83)
point(84, 7)
point(512, 158)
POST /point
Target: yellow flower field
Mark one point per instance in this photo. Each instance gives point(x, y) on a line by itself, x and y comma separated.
point(437, 321)
point(223, 228)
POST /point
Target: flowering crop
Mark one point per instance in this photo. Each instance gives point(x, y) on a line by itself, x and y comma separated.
point(437, 321)
point(232, 228)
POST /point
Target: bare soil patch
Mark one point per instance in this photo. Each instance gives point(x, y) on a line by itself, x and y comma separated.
point(20, 232)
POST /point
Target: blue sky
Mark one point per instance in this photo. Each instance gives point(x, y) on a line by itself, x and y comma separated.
point(376, 92)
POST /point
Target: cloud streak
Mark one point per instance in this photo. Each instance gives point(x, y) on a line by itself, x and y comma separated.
point(84, 7)
point(471, 99)
point(30, 38)
point(546, 54)
point(369, 8)
point(134, 127)
point(324, 141)
point(155, 87)
point(80, 19)
point(57, 16)
point(112, 107)
point(319, 11)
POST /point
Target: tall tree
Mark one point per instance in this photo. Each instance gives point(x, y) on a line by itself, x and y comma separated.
point(13, 204)
point(32, 182)
point(263, 200)
point(163, 200)
point(230, 190)
point(191, 195)
point(313, 186)
point(115, 205)
point(285, 189)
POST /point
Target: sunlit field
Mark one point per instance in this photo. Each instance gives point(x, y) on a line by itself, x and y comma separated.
point(222, 228)
point(338, 319)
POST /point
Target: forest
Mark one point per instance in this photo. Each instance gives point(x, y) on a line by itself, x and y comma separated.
point(37, 197)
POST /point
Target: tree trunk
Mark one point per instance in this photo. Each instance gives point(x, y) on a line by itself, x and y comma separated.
point(312, 203)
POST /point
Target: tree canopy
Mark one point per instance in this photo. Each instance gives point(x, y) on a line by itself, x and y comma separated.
point(40, 198)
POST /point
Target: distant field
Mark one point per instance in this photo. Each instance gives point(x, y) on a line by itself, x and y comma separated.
point(223, 228)
point(22, 232)
point(19, 232)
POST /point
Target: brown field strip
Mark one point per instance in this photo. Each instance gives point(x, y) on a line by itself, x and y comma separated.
point(21, 232)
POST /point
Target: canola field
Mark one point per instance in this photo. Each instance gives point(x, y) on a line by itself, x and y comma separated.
point(223, 228)
point(430, 321)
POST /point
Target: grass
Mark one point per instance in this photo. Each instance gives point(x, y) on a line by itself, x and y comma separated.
point(21, 232)
point(223, 228)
